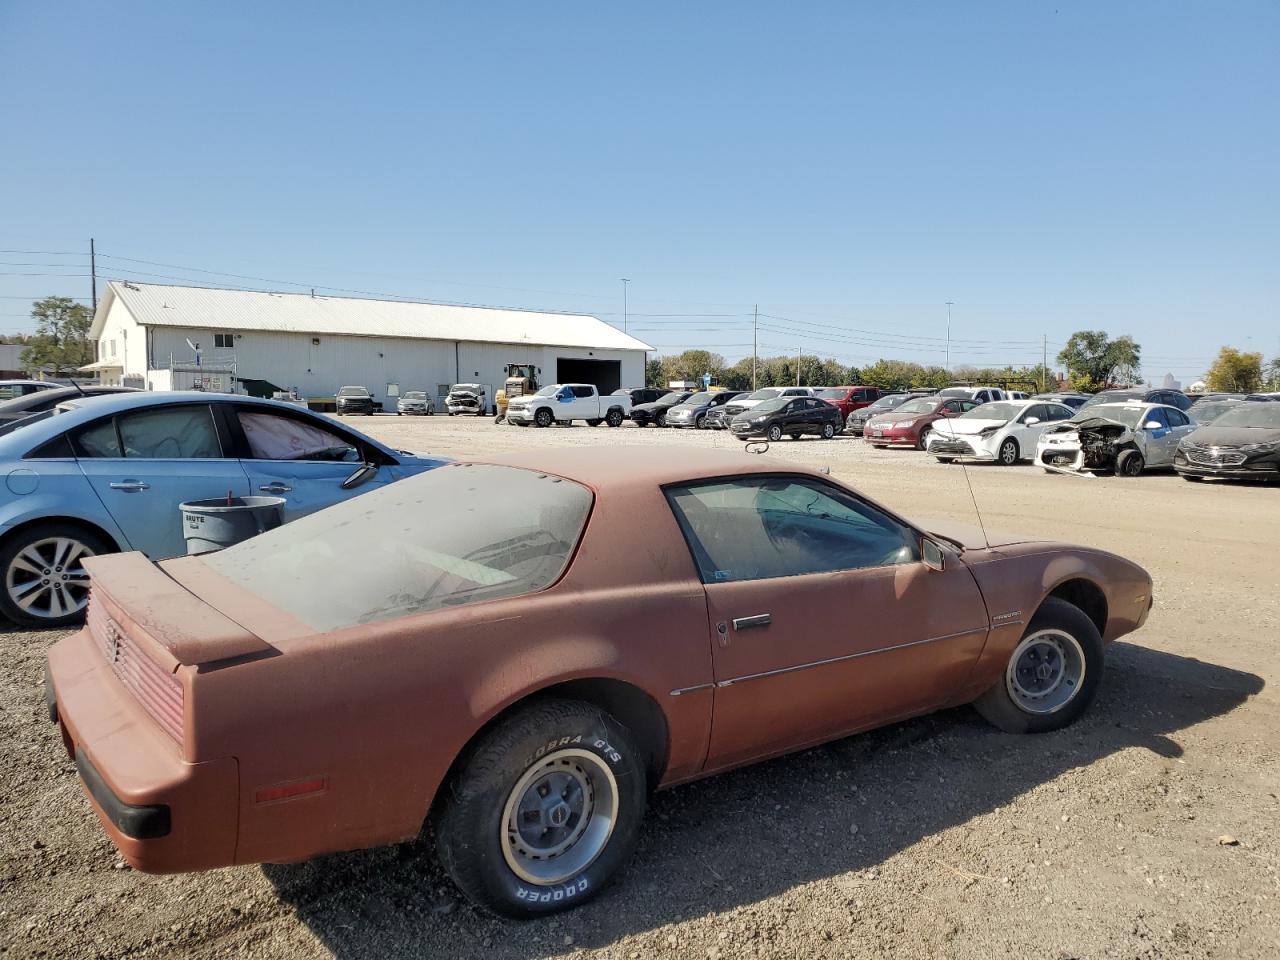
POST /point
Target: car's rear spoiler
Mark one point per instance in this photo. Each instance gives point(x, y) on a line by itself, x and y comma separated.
point(145, 597)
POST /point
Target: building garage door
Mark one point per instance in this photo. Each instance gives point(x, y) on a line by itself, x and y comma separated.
point(606, 375)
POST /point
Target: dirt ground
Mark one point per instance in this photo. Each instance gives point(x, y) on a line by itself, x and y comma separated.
point(936, 838)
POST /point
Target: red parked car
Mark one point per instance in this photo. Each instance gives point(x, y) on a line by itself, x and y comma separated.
point(909, 424)
point(849, 399)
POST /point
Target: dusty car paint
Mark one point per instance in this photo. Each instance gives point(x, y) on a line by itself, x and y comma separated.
point(364, 723)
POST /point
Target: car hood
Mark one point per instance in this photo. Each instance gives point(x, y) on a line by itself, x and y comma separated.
point(967, 428)
point(1211, 436)
point(972, 536)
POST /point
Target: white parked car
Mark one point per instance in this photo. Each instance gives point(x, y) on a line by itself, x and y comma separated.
point(562, 402)
point(415, 403)
point(1119, 438)
point(475, 399)
point(1005, 431)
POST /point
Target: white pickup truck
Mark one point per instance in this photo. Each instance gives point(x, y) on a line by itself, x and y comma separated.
point(562, 402)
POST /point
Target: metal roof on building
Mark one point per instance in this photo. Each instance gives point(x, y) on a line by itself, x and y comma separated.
point(208, 308)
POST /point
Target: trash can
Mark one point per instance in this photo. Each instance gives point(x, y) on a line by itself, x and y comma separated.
point(209, 525)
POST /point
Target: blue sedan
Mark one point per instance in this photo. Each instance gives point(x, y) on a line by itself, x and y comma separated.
point(107, 473)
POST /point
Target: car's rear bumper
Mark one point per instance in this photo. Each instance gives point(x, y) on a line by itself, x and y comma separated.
point(165, 814)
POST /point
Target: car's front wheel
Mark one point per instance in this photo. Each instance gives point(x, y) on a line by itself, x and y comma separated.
point(1130, 463)
point(923, 442)
point(543, 418)
point(1008, 452)
point(545, 811)
point(1052, 675)
point(45, 584)
point(828, 431)
point(775, 433)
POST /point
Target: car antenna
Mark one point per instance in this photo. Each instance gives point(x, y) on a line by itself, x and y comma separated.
point(986, 542)
point(77, 386)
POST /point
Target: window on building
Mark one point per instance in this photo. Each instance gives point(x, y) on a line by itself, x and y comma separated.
point(224, 341)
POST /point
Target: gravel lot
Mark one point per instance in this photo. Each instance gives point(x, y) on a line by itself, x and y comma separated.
point(1147, 830)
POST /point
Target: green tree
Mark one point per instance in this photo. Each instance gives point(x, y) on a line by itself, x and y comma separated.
point(892, 374)
point(61, 342)
point(1095, 361)
point(1235, 372)
point(1273, 374)
point(653, 373)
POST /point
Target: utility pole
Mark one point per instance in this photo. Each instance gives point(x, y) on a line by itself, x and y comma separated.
point(798, 349)
point(1044, 363)
point(93, 274)
point(949, 303)
point(625, 281)
point(755, 323)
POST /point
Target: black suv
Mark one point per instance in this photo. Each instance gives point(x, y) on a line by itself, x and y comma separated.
point(639, 396)
point(354, 400)
point(1174, 398)
point(793, 416)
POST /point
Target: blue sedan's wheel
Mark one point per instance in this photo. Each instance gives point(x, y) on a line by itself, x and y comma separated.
point(45, 584)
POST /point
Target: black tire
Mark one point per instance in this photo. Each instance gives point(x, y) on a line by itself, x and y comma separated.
point(1009, 453)
point(594, 422)
point(1129, 463)
point(474, 844)
point(699, 422)
point(660, 420)
point(923, 442)
point(519, 423)
point(946, 459)
point(1000, 707)
point(794, 436)
point(543, 417)
point(828, 431)
point(614, 418)
point(1192, 477)
point(18, 583)
point(774, 434)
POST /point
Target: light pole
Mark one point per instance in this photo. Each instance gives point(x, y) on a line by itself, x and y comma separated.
point(625, 281)
point(949, 303)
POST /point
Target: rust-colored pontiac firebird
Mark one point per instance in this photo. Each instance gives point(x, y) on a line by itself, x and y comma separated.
point(520, 649)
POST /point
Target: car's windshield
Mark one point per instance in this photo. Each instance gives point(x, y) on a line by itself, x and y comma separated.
point(777, 403)
point(918, 406)
point(994, 411)
point(1250, 413)
point(1112, 396)
point(505, 532)
point(831, 393)
point(1128, 414)
point(415, 395)
point(13, 425)
point(469, 387)
point(889, 402)
point(353, 392)
point(766, 393)
point(671, 399)
point(1207, 411)
point(956, 392)
point(698, 399)
point(550, 391)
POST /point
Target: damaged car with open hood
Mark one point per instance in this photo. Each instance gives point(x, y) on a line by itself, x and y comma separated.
point(1117, 438)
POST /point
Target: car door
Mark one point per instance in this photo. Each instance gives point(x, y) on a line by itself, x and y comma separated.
point(142, 464)
point(1028, 434)
point(301, 458)
point(822, 617)
point(1180, 426)
point(1159, 444)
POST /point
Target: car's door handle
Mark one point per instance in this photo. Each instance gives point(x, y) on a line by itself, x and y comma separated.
point(129, 486)
point(275, 488)
point(747, 623)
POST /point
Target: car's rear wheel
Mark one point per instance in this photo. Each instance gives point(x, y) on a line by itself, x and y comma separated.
point(614, 418)
point(1129, 464)
point(45, 584)
point(775, 433)
point(1008, 452)
point(1052, 675)
point(544, 418)
point(545, 811)
point(828, 431)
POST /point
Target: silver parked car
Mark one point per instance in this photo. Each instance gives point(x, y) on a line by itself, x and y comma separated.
point(415, 403)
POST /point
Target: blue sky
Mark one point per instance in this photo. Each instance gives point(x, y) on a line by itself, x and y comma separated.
point(848, 166)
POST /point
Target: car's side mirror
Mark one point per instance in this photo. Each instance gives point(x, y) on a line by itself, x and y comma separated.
point(363, 474)
point(1153, 425)
point(931, 554)
point(1031, 421)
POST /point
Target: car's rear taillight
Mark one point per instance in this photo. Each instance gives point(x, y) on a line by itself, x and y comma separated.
point(156, 687)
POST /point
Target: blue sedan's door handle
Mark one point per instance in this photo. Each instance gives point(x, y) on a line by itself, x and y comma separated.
point(275, 488)
point(129, 486)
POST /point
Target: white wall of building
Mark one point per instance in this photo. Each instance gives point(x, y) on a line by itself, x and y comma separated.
point(318, 369)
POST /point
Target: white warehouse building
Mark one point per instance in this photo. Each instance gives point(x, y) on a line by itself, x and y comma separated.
point(255, 342)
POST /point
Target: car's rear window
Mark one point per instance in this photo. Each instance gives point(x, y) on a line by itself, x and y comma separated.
point(454, 535)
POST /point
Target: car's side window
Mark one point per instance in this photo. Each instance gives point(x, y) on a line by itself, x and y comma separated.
point(582, 391)
point(173, 433)
point(758, 528)
point(1176, 418)
point(1158, 416)
point(273, 437)
point(98, 440)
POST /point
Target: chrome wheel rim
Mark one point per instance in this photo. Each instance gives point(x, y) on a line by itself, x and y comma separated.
point(45, 578)
point(1046, 672)
point(828, 431)
point(559, 817)
point(1008, 453)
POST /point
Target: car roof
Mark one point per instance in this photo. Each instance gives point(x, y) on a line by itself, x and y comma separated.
point(86, 409)
point(626, 466)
